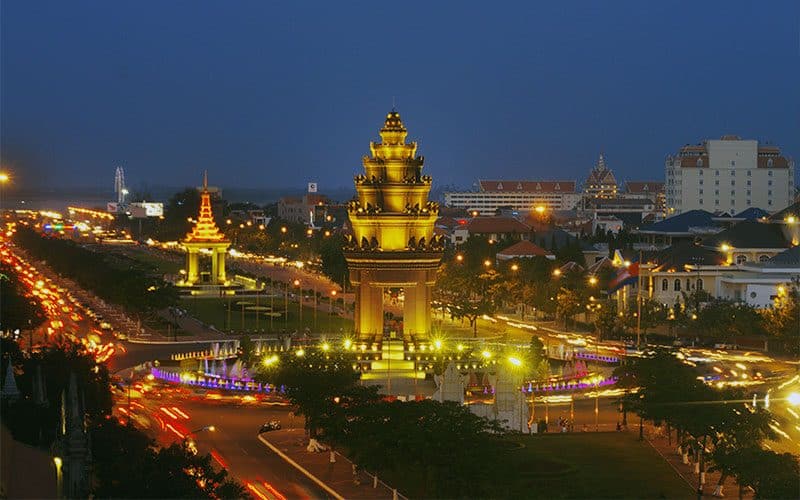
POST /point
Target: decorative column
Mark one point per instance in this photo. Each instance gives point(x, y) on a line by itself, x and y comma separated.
point(192, 274)
point(214, 265)
point(221, 277)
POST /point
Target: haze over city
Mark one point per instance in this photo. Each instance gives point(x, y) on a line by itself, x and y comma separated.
point(276, 95)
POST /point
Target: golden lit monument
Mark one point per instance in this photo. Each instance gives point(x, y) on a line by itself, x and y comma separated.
point(393, 244)
point(205, 235)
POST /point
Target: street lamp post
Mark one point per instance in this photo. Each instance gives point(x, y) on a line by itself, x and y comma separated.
point(59, 476)
point(209, 428)
point(330, 312)
point(597, 404)
point(286, 307)
point(300, 300)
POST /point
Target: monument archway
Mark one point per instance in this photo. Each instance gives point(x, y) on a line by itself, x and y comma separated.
point(393, 242)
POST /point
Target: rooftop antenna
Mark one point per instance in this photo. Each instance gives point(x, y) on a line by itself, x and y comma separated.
point(394, 107)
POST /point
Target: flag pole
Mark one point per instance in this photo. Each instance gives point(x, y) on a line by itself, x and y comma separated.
point(639, 302)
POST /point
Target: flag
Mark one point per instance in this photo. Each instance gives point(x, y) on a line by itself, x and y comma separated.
point(626, 276)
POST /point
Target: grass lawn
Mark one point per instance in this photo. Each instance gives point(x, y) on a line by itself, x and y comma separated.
point(579, 465)
point(594, 465)
point(214, 311)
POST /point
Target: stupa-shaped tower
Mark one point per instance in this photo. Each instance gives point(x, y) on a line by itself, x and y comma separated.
point(205, 235)
point(393, 243)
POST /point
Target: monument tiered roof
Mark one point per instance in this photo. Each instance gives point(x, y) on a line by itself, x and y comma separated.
point(205, 229)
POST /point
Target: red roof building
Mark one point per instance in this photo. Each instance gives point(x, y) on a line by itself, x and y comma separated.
point(524, 250)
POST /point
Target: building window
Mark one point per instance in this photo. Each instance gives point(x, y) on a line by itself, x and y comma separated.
point(769, 163)
point(748, 192)
point(700, 164)
point(664, 285)
point(741, 259)
point(769, 202)
point(699, 283)
point(769, 173)
point(733, 173)
point(733, 183)
point(733, 163)
point(733, 192)
point(688, 284)
point(748, 203)
point(701, 191)
point(677, 286)
point(763, 258)
point(701, 182)
point(769, 192)
point(749, 183)
point(716, 172)
point(701, 201)
point(716, 192)
point(749, 173)
point(716, 202)
point(769, 182)
point(716, 183)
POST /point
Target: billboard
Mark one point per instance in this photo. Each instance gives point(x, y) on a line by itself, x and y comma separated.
point(146, 209)
point(312, 187)
point(112, 207)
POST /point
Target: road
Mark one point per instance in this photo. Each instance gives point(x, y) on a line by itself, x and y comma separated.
point(234, 442)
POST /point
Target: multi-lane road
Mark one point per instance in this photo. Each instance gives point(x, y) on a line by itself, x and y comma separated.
point(171, 415)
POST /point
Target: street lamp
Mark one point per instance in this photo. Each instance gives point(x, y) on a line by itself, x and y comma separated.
point(557, 273)
point(487, 263)
point(209, 428)
point(330, 312)
point(459, 258)
point(59, 474)
point(296, 284)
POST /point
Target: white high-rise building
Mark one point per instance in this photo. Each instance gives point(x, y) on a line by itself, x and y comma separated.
point(728, 175)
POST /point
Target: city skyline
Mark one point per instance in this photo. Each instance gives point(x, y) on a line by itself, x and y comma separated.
point(166, 91)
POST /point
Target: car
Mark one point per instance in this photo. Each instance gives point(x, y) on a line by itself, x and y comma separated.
point(272, 425)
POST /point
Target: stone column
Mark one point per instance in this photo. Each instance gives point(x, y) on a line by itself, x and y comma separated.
point(191, 266)
point(214, 263)
point(411, 317)
point(221, 276)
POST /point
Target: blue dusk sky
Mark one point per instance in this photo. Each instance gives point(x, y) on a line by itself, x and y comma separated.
point(276, 94)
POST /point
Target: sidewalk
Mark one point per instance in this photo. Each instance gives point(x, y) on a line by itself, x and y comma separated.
point(337, 477)
point(669, 452)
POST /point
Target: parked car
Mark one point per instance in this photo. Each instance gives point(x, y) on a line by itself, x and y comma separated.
point(272, 425)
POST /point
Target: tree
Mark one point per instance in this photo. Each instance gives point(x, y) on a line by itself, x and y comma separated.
point(607, 322)
point(770, 474)
point(653, 314)
point(725, 319)
point(468, 292)
point(312, 381)
point(18, 308)
point(568, 304)
point(334, 265)
point(782, 321)
point(427, 437)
